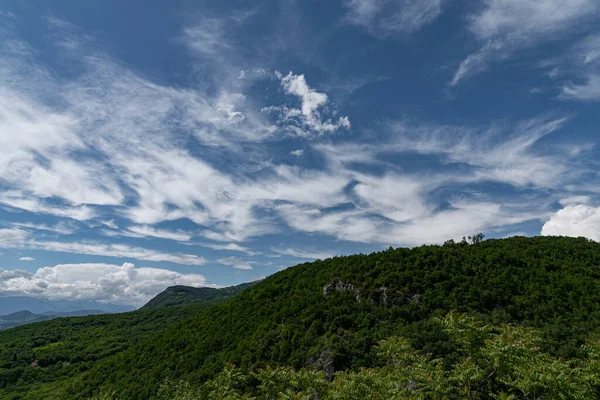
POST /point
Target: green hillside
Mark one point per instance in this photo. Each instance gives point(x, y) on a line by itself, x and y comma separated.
point(63, 348)
point(179, 295)
point(330, 315)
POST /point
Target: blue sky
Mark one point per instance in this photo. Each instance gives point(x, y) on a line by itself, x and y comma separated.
point(151, 143)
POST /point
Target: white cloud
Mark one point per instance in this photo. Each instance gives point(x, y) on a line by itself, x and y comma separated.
point(584, 62)
point(517, 17)
point(18, 238)
point(493, 50)
point(392, 17)
point(26, 259)
point(138, 131)
point(146, 172)
point(110, 223)
point(311, 102)
point(12, 237)
point(299, 253)
point(573, 200)
point(502, 153)
point(590, 90)
point(116, 250)
point(39, 144)
point(229, 247)
point(297, 153)
point(146, 231)
point(398, 198)
point(506, 26)
point(208, 37)
point(60, 228)
point(20, 201)
point(574, 220)
point(235, 263)
point(124, 284)
point(462, 218)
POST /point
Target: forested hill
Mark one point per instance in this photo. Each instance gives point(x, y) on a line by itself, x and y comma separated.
point(179, 295)
point(329, 315)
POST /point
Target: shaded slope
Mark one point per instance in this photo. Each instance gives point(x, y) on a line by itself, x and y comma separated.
point(329, 314)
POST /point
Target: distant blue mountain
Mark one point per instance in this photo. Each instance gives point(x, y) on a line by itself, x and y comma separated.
point(27, 317)
point(13, 304)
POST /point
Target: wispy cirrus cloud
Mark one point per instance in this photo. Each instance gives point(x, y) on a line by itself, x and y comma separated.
point(16, 238)
point(61, 228)
point(140, 130)
point(146, 153)
point(392, 17)
point(236, 263)
point(504, 27)
point(299, 253)
point(229, 247)
point(584, 63)
point(146, 231)
point(19, 201)
point(501, 153)
point(116, 250)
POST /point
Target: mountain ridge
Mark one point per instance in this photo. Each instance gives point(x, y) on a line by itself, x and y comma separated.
point(180, 294)
point(27, 317)
point(40, 305)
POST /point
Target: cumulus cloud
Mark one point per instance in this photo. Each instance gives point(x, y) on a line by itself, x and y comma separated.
point(312, 104)
point(297, 153)
point(123, 284)
point(392, 17)
point(506, 26)
point(26, 259)
point(574, 220)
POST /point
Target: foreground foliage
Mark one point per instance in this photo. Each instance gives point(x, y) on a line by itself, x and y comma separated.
point(502, 362)
point(329, 315)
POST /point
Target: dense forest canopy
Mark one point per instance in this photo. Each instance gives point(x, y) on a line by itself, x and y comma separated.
point(328, 316)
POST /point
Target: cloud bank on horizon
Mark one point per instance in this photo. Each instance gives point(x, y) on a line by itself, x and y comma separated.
point(216, 144)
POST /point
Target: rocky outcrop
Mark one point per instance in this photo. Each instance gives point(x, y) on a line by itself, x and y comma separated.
point(323, 362)
point(338, 285)
point(381, 296)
